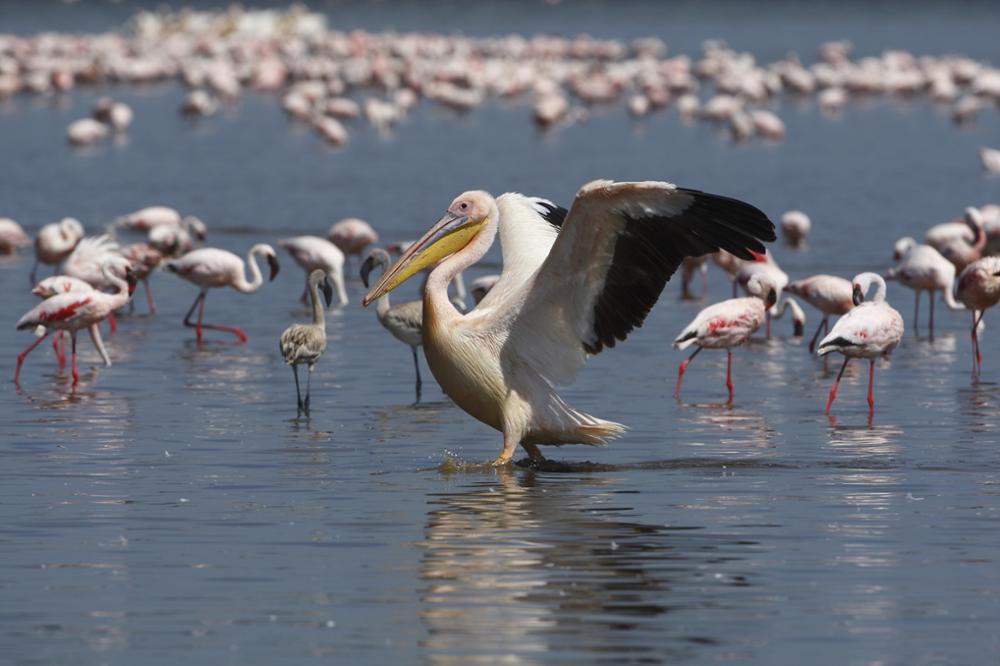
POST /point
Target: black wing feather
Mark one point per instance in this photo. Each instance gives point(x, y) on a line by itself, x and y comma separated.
point(650, 249)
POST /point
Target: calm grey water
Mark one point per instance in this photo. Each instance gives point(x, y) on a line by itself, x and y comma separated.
point(174, 509)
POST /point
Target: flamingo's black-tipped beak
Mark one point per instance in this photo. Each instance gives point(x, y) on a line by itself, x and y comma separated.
point(272, 261)
point(366, 269)
point(131, 279)
point(857, 296)
point(772, 298)
point(800, 329)
point(327, 291)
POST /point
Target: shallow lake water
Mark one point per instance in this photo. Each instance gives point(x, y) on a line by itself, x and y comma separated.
point(175, 509)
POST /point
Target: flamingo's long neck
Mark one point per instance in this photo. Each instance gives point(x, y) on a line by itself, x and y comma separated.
point(436, 302)
point(256, 279)
point(319, 318)
point(382, 303)
point(123, 294)
point(879, 283)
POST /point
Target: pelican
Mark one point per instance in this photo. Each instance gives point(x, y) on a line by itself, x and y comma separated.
point(305, 343)
point(618, 246)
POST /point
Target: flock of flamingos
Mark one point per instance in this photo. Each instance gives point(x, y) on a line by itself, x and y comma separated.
point(611, 251)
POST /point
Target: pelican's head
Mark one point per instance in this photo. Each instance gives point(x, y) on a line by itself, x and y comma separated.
point(763, 287)
point(466, 217)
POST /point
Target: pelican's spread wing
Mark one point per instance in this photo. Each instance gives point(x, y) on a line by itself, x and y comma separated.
point(619, 244)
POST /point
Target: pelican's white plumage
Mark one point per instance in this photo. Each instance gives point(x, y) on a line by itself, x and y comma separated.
point(617, 247)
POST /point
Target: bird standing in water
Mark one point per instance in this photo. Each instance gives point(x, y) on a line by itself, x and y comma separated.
point(619, 244)
point(871, 329)
point(305, 343)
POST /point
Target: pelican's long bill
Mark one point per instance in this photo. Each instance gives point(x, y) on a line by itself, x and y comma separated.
point(450, 234)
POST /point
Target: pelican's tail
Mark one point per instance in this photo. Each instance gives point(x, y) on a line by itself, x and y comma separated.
point(599, 431)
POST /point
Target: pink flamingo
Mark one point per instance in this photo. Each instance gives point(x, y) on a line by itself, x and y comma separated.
point(75, 310)
point(978, 288)
point(922, 268)
point(55, 242)
point(961, 251)
point(314, 253)
point(869, 330)
point(144, 258)
point(12, 236)
point(210, 268)
point(352, 235)
point(47, 288)
point(829, 294)
point(726, 325)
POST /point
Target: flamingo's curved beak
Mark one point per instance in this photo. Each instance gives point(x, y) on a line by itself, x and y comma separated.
point(327, 291)
point(857, 295)
point(772, 298)
point(272, 261)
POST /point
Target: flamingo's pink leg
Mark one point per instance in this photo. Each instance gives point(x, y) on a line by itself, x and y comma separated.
point(76, 375)
point(729, 374)
point(23, 355)
point(113, 322)
point(916, 313)
point(833, 391)
point(932, 315)
point(149, 296)
point(871, 387)
point(200, 303)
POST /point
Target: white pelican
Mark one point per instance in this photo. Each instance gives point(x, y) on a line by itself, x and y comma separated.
point(619, 244)
point(869, 330)
point(305, 343)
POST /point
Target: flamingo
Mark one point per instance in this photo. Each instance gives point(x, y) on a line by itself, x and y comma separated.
point(829, 294)
point(922, 268)
point(869, 330)
point(55, 242)
point(795, 226)
point(305, 343)
point(352, 235)
point(765, 265)
point(73, 311)
point(726, 325)
point(314, 253)
point(404, 320)
point(960, 250)
point(688, 268)
point(211, 268)
point(145, 258)
point(978, 289)
point(63, 284)
point(12, 236)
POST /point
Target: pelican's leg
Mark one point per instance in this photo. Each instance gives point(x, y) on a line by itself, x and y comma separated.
point(729, 375)
point(510, 443)
point(298, 393)
point(149, 296)
point(534, 453)
point(200, 300)
point(416, 367)
point(23, 355)
point(836, 383)
point(95, 337)
point(871, 387)
point(680, 372)
point(812, 343)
